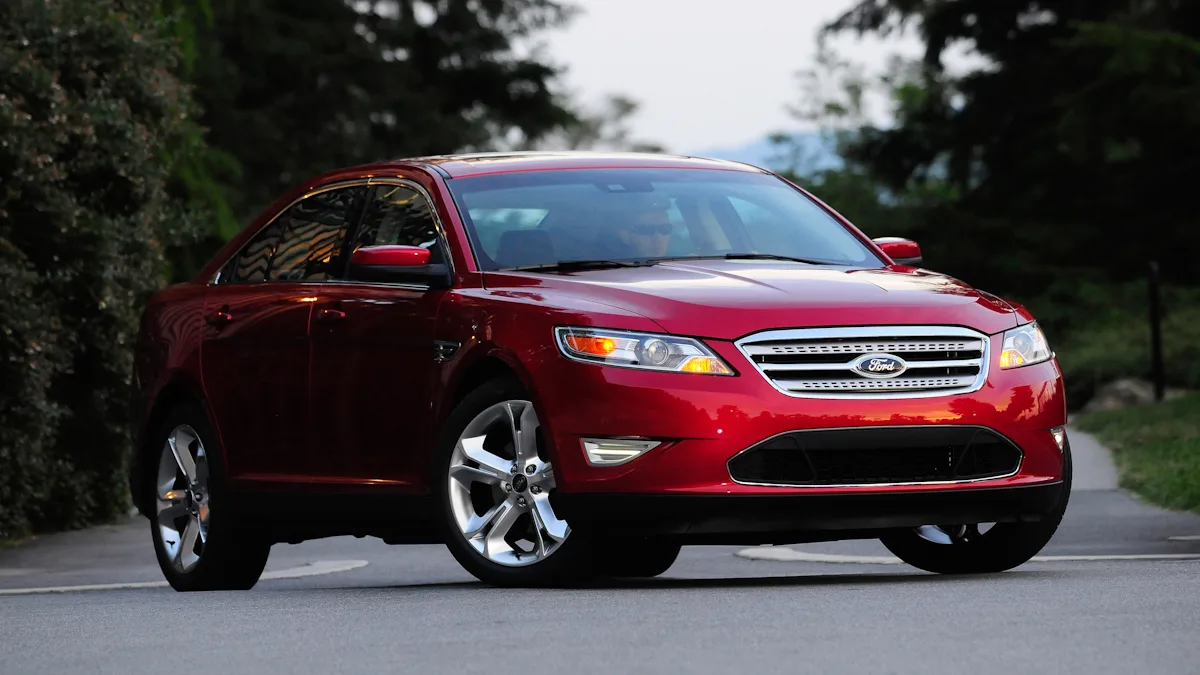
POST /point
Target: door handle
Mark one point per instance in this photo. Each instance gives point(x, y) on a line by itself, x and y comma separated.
point(327, 315)
point(219, 318)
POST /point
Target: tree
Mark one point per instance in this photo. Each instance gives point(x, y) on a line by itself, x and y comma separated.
point(291, 89)
point(1070, 153)
point(92, 124)
point(1067, 160)
point(833, 99)
point(604, 127)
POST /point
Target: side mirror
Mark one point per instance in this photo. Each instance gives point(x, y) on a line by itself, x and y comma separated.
point(902, 251)
point(398, 264)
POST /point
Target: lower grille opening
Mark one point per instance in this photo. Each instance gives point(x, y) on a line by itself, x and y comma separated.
point(878, 455)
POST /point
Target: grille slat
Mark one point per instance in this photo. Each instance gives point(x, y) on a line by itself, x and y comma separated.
point(898, 384)
point(849, 365)
point(862, 347)
point(820, 362)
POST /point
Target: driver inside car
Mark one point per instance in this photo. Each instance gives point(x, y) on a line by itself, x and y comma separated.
point(642, 230)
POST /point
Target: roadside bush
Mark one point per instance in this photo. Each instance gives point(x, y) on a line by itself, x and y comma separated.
point(91, 123)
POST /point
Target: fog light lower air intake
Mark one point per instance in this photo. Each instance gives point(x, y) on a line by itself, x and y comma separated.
point(614, 451)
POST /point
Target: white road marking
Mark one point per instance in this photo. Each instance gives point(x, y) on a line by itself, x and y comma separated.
point(1185, 537)
point(784, 554)
point(309, 570)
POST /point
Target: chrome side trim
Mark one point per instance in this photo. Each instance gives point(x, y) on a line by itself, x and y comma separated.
point(751, 345)
point(1020, 462)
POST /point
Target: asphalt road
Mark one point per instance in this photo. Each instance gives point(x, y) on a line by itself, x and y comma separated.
point(412, 609)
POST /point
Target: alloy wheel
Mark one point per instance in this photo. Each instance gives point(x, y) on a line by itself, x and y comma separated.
point(500, 486)
point(182, 498)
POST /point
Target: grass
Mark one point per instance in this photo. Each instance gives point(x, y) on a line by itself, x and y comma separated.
point(1156, 448)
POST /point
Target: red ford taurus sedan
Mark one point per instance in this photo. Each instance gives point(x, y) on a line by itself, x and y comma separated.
point(566, 366)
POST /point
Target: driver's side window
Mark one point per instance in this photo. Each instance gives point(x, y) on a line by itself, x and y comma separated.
point(398, 215)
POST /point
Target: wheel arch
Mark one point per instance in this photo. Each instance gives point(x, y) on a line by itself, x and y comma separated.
point(179, 389)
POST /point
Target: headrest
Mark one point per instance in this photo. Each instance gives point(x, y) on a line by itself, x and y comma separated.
point(524, 247)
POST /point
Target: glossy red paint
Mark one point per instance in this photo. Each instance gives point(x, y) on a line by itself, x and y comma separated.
point(391, 256)
point(899, 249)
point(319, 387)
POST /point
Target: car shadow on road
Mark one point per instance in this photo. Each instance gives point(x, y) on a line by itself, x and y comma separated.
point(796, 581)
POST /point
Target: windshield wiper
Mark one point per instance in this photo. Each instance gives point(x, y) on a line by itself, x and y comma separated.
point(573, 265)
point(772, 256)
point(746, 256)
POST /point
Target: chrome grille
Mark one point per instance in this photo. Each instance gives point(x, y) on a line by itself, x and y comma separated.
point(821, 362)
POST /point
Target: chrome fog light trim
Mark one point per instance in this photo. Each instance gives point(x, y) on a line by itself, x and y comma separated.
point(614, 451)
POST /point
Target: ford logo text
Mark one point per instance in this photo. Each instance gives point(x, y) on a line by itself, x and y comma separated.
point(879, 365)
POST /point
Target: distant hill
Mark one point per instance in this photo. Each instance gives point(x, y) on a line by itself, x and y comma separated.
point(819, 154)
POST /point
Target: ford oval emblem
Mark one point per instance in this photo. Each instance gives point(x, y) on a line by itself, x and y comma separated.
point(879, 365)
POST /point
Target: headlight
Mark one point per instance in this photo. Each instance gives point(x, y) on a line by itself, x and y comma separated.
point(646, 351)
point(1024, 346)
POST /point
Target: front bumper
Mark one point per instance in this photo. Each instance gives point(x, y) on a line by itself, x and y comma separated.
point(704, 421)
point(796, 518)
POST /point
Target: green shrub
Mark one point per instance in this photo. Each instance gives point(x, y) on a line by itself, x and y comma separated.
point(91, 123)
point(1101, 332)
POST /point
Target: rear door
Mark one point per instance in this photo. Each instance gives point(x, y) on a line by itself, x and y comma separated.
point(256, 350)
point(373, 352)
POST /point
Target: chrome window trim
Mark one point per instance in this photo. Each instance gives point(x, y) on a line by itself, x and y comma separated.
point(795, 486)
point(866, 332)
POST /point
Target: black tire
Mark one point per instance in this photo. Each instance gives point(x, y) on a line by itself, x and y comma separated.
point(640, 558)
point(235, 552)
point(1005, 546)
point(569, 565)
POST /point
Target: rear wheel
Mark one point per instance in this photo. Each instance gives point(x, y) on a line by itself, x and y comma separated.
point(496, 488)
point(979, 548)
point(200, 541)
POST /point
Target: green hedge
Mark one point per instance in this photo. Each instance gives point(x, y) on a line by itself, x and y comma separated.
point(91, 123)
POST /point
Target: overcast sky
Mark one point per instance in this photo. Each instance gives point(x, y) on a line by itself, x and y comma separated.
point(708, 73)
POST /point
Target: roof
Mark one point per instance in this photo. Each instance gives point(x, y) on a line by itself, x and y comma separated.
point(462, 165)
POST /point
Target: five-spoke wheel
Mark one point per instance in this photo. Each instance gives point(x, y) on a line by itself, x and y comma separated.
point(201, 541)
point(500, 486)
point(496, 486)
point(182, 507)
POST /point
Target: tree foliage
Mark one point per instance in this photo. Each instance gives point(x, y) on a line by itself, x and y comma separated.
point(92, 124)
point(291, 89)
point(1054, 172)
point(1070, 153)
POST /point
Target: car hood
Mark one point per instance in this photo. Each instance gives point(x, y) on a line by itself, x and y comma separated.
point(728, 299)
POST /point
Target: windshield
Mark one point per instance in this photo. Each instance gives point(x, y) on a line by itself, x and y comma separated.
point(547, 217)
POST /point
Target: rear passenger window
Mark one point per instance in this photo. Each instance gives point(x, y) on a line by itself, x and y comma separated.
point(250, 266)
point(399, 216)
point(314, 230)
point(303, 243)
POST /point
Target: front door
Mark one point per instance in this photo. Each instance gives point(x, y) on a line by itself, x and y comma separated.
point(373, 356)
point(256, 350)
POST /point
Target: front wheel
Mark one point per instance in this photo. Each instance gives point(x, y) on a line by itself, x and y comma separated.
point(495, 489)
point(979, 548)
